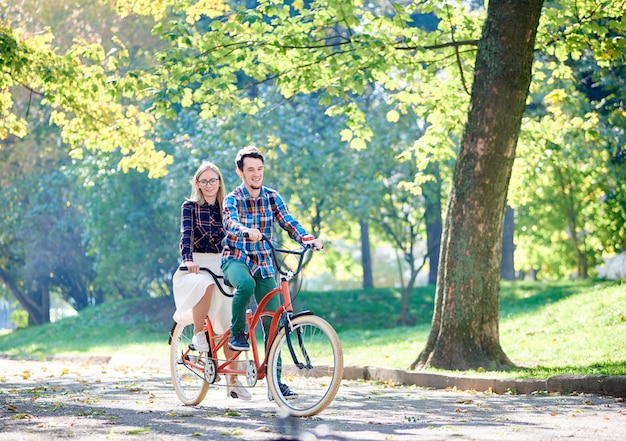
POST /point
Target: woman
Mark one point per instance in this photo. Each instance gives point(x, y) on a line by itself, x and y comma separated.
point(201, 246)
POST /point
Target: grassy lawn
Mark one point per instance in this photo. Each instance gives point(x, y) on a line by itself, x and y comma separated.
point(545, 329)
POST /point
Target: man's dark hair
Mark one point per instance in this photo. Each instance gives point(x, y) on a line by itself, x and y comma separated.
point(247, 152)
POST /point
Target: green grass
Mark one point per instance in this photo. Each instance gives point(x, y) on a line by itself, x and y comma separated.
point(137, 326)
point(545, 329)
point(578, 328)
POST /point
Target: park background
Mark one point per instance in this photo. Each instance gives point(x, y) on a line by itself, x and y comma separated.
point(85, 226)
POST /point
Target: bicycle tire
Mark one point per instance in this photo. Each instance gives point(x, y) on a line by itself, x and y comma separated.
point(317, 384)
point(188, 381)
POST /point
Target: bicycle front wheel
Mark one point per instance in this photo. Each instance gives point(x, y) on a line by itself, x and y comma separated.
point(308, 359)
point(187, 367)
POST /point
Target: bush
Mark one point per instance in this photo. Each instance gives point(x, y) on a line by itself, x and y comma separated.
point(19, 318)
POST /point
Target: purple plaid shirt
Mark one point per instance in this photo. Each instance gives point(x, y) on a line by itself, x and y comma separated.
point(201, 229)
point(242, 211)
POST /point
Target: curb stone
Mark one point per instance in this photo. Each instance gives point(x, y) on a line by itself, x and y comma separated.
point(614, 385)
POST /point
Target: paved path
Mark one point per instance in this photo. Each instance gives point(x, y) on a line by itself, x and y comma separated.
point(89, 401)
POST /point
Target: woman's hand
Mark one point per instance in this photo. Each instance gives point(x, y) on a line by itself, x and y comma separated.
point(192, 267)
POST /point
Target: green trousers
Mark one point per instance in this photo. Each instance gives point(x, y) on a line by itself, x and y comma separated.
point(246, 285)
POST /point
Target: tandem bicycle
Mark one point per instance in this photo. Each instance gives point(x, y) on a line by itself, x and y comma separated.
point(301, 349)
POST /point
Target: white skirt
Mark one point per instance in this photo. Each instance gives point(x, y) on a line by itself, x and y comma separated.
point(189, 289)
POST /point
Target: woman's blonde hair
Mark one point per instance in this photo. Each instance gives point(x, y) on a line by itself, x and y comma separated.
point(196, 194)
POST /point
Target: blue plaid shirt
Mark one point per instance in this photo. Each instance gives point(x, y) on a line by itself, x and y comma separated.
point(242, 211)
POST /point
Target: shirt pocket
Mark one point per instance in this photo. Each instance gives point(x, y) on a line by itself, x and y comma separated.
point(264, 221)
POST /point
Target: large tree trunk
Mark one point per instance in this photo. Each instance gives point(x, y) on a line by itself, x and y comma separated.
point(465, 327)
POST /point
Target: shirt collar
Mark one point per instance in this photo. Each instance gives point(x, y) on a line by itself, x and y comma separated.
point(247, 194)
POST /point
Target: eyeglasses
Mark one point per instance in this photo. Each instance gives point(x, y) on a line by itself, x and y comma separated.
point(204, 182)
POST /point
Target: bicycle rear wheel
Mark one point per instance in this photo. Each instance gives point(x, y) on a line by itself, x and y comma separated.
point(187, 367)
point(315, 372)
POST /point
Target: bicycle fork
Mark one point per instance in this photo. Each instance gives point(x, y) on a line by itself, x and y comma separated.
point(289, 331)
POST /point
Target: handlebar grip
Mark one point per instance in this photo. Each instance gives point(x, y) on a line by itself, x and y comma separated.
point(184, 268)
point(246, 235)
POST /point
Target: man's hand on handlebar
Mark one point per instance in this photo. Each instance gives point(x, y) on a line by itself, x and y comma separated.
point(315, 243)
point(253, 234)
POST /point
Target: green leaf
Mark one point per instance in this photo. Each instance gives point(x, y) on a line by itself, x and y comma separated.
point(393, 116)
point(357, 144)
point(346, 134)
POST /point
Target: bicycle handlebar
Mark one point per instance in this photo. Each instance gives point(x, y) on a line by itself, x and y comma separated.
point(300, 253)
point(306, 246)
point(216, 277)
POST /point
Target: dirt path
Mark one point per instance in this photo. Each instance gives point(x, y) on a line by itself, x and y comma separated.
point(87, 401)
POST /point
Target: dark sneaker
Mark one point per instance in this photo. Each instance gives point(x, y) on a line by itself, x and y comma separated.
point(238, 342)
point(284, 389)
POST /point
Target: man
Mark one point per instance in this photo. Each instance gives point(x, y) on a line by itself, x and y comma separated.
point(246, 261)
